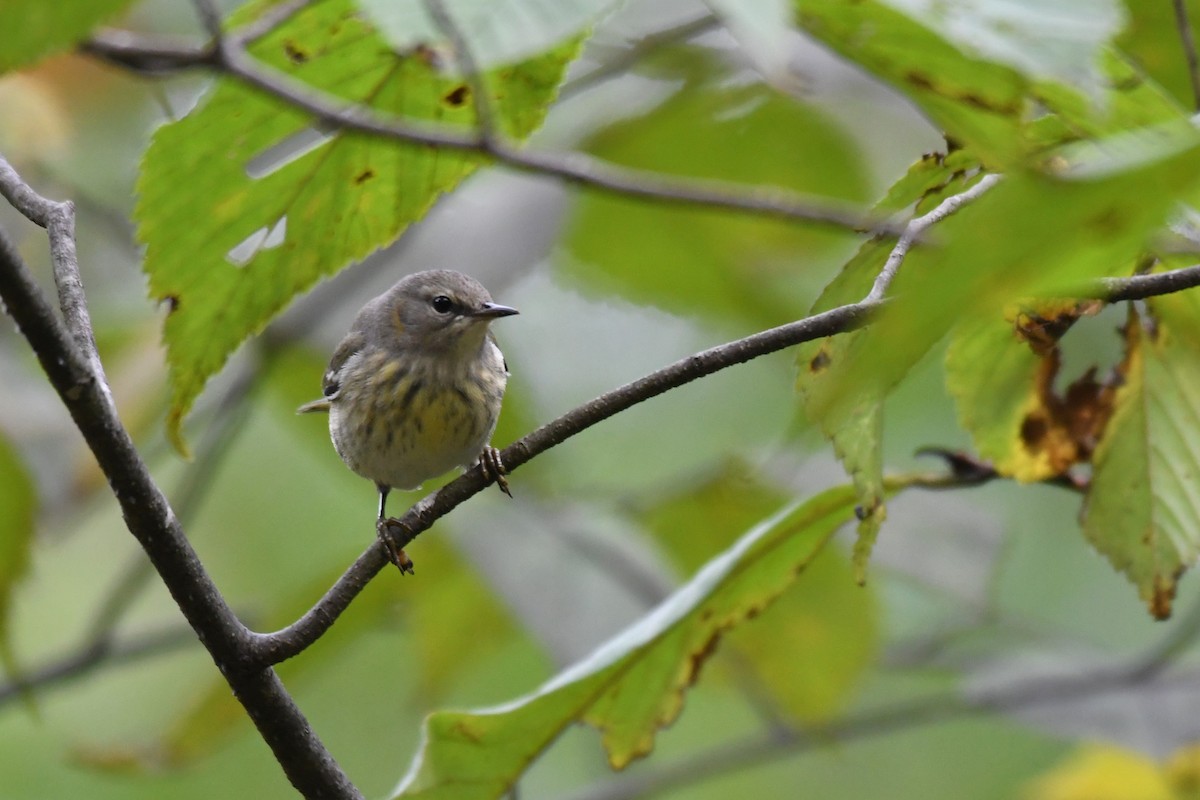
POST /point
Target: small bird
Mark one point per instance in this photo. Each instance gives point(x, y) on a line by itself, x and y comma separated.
point(415, 388)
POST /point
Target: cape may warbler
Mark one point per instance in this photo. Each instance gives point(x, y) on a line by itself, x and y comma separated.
point(414, 389)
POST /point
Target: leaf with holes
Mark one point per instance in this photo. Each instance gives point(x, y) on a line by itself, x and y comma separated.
point(1001, 79)
point(1001, 371)
point(1031, 235)
point(242, 204)
point(1143, 508)
point(856, 428)
point(634, 684)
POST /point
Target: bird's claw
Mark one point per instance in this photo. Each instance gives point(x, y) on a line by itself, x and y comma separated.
point(388, 530)
point(493, 468)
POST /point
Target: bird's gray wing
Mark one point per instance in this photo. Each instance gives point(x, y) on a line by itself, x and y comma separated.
point(331, 381)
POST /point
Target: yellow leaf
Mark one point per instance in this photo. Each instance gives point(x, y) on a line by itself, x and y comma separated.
point(1102, 772)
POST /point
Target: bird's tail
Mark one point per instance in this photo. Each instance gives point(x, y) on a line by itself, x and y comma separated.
point(314, 406)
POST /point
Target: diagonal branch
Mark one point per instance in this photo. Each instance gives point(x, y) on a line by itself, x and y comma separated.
point(59, 221)
point(290, 641)
point(914, 229)
point(149, 517)
point(272, 648)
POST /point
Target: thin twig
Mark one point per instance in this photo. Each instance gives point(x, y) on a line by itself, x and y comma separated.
point(916, 227)
point(210, 19)
point(305, 761)
point(283, 644)
point(1141, 287)
point(903, 716)
point(229, 417)
point(147, 54)
point(1189, 48)
point(100, 654)
point(59, 221)
point(572, 167)
point(290, 641)
point(485, 121)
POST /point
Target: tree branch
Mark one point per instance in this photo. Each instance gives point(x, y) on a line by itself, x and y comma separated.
point(284, 644)
point(272, 648)
point(1140, 287)
point(914, 229)
point(228, 55)
point(485, 120)
point(941, 707)
point(99, 653)
point(151, 520)
point(59, 221)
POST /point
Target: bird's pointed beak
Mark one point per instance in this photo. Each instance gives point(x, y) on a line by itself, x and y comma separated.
point(493, 311)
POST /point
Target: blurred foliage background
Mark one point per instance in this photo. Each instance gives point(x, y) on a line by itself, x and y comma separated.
point(837, 691)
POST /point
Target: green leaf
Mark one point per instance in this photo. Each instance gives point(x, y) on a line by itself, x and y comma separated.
point(1001, 371)
point(977, 102)
point(988, 74)
point(1131, 101)
point(810, 648)
point(634, 684)
point(856, 428)
point(18, 508)
point(36, 28)
point(1143, 507)
point(991, 376)
point(927, 182)
point(1060, 40)
point(702, 261)
point(451, 623)
point(227, 250)
point(1151, 37)
point(1030, 236)
point(498, 31)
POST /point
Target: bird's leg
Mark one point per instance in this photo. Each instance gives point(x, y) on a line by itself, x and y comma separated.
point(493, 468)
point(386, 528)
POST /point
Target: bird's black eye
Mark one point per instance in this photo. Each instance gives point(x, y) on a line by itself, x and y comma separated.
point(442, 304)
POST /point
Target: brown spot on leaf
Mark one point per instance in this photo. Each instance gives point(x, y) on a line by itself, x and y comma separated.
point(697, 657)
point(172, 301)
point(1033, 429)
point(364, 176)
point(457, 96)
point(1042, 327)
point(919, 80)
point(1064, 430)
point(820, 361)
point(295, 53)
point(1163, 596)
